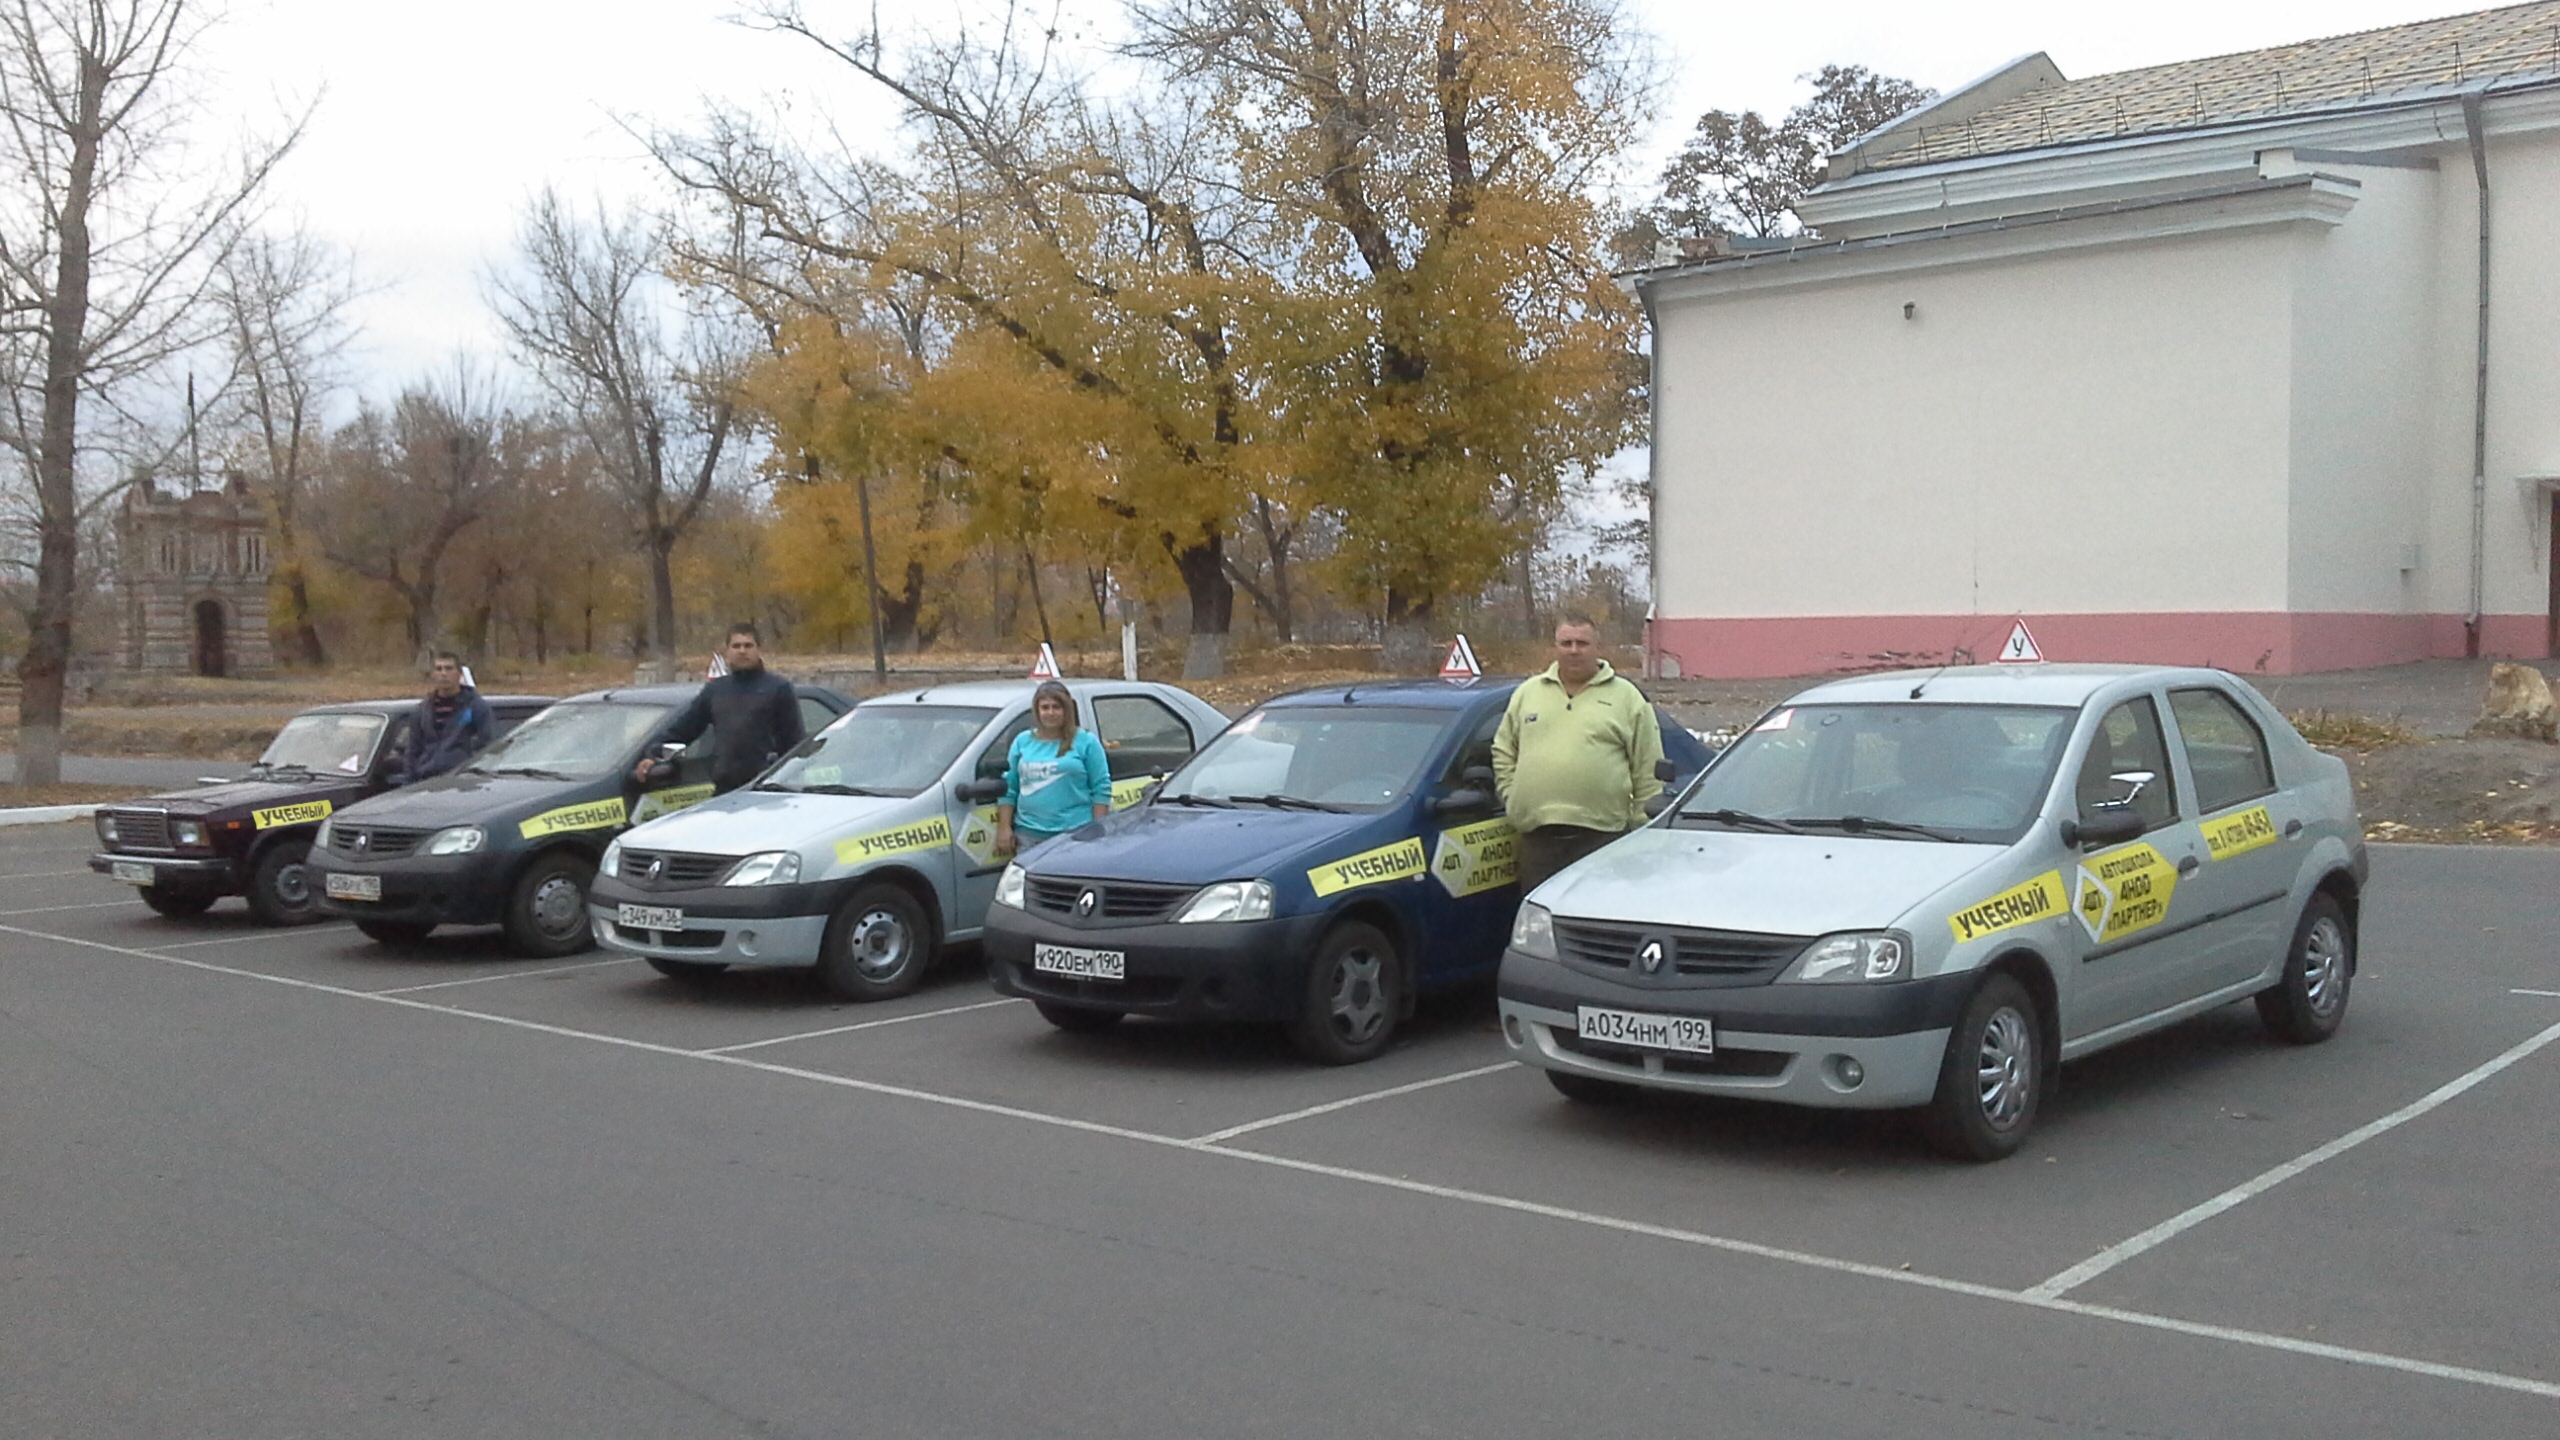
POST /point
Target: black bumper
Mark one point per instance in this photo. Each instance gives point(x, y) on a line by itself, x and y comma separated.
point(726, 902)
point(176, 875)
point(1899, 1008)
point(423, 890)
point(1250, 970)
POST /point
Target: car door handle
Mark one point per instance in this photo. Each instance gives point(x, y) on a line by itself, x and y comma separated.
point(2292, 828)
point(2189, 865)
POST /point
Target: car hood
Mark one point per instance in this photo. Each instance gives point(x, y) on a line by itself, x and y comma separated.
point(246, 795)
point(472, 799)
point(743, 822)
point(1769, 884)
point(1187, 845)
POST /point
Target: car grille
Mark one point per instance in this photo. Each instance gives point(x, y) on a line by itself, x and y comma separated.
point(675, 871)
point(142, 829)
point(1738, 1064)
point(1726, 955)
point(1119, 899)
point(382, 842)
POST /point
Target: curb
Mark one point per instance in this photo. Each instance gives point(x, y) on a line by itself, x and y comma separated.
point(45, 814)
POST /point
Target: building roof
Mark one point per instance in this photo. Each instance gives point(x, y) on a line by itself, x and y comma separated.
point(2341, 72)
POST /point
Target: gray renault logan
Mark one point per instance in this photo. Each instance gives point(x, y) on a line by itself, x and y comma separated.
point(1928, 889)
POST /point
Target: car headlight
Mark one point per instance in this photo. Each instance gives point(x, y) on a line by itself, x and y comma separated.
point(769, 867)
point(611, 864)
point(320, 837)
point(1228, 900)
point(1533, 932)
point(1009, 886)
point(1852, 958)
point(458, 840)
point(106, 827)
point(188, 832)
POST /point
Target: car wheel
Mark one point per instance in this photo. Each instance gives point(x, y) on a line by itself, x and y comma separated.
point(1992, 1076)
point(877, 946)
point(176, 907)
point(2306, 1006)
point(280, 890)
point(1075, 1019)
point(1590, 1089)
point(547, 913)
point(393, 932)
point(1355, 991)
point(690, 972)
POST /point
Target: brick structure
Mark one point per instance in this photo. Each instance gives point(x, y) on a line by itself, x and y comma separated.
point(193, 581)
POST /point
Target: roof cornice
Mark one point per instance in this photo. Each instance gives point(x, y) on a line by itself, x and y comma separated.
point(2314, 200)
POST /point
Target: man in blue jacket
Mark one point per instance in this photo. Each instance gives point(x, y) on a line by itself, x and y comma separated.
point(753, 715)
point(452, 724)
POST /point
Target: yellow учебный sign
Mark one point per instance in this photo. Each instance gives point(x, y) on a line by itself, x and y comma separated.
point(2037, 899)
point(604, 814)
point(1370, 867)
point(896, 840)
point(1475, 858)
point(291, 814)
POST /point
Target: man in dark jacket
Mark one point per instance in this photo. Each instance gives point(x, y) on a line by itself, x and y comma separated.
point(452, 724)
point(752, 714)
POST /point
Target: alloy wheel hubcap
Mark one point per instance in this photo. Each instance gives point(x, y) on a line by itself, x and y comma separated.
point(879, 945)
point(293, 886)
point(558, 908)
point(1359, 996)
point(2006, 1072)
point(2324, 966)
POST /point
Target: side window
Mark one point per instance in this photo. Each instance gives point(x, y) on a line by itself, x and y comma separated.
point(1477, 751)
point(2128, 742)
point(2225, 749)
point(394, 750)
point(814, 716)
point(1140, 735)
point(991, 760)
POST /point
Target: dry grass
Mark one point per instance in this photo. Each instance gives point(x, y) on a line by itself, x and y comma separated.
point(2360, 733)
point(2476, 832)
point(20, 796)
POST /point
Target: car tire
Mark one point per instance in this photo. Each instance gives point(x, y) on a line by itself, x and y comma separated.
point(175, 906)
point(1992, 1077)
point(393, 932)
point(2307, 1005)
point(1076, 1019)
point(688, 972)
point(878, 945)
point(1354, 996)
point(1584, 1089)
point(546, 914)
point(280, 891)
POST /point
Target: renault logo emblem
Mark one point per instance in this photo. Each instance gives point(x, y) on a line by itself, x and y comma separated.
point(364, 840)
point(1086, 901)
point(1649, 959)
point(657, 865)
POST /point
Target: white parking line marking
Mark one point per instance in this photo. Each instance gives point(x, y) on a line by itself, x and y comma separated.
point(504, 975)
point(2123, 1250)
point(52, 874)
point(2551, 994)
point(259, 935)
point(49, 909)
point(865, 1025)
point(1216, 1137)
point(2373, 1359)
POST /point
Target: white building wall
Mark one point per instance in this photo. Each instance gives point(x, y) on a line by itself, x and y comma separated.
point(2524, 364)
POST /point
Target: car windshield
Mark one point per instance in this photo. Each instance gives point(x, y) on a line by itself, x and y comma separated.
point(1338, 757)
point(340, 744)
point(1975, 773)
point(897, 749)
point(572, 741)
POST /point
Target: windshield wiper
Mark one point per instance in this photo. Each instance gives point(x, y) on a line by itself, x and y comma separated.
point(1209, 800)
point(1860, 824)
point(531, 772)
point(1742, 820)
point(1287, 802)
point(829, 790)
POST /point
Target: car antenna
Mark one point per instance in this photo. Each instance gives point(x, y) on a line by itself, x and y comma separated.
point(1953, 651)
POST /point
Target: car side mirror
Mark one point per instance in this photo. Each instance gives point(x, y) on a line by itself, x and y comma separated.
point(1665, 770)
point(2112, 825)
point(1462, 800)
point(980, 790)
point(1659, 802)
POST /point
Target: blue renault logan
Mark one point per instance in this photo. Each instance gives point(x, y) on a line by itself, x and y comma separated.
point(1331, 856)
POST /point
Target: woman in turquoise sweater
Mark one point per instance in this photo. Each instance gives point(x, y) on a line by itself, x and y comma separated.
point(1055, 776)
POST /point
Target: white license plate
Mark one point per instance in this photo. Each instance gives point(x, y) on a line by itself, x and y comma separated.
point(649, 917)
point(355, 887)
point(1685, 1033)
point(132, 874)
point(1080, 963)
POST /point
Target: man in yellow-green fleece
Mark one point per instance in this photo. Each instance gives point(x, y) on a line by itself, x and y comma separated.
point(1574, 757)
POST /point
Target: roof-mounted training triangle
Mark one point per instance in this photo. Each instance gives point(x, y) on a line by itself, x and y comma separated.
point(1046, 666)
point(1460, 667)
point(2020, 648)
point(718, 667)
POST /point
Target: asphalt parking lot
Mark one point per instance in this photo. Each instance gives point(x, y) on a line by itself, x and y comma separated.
point(261, 1183)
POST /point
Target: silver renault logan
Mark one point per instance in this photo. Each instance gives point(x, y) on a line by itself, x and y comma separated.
point(1927, 889)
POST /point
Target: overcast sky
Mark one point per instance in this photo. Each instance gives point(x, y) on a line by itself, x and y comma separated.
point(434, 123)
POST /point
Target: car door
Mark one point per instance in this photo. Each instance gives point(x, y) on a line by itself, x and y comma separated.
point(1142, 738)
point(2252, 834)
point(1473, 891)
point(976, 864)
point(2137, 916)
